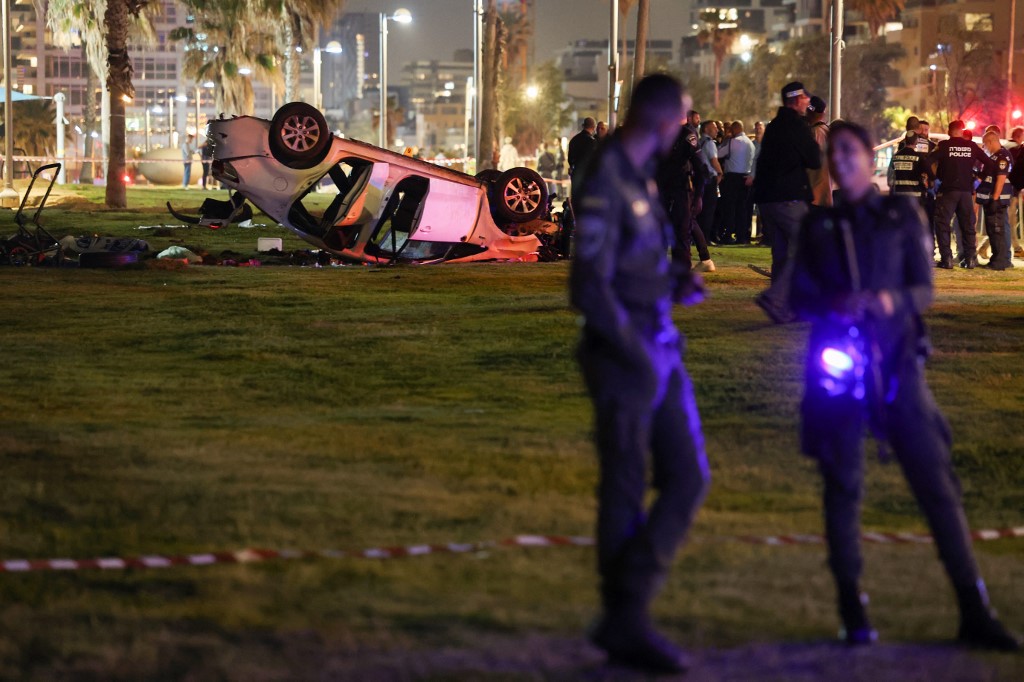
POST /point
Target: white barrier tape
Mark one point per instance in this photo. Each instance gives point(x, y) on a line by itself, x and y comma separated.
point(254, 555)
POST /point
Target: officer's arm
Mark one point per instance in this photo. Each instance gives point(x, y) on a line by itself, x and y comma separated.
point(598, 231)
point(700, 170)
point(997, 191)
point(890, 175)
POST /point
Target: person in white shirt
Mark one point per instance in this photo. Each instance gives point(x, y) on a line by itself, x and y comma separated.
point(708, 155)
point(188, 150)
point(737, 158)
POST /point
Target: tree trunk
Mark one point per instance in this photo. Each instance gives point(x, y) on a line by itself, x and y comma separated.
point(85, 176)
point(119, 85)
point(489, 61)
point(643, 15)
point(291, 64)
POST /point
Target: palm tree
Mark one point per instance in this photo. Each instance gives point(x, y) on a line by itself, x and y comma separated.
point(299, 27)
point(230, 43)
point(720, 35)
point(105, 29)
point(877, 12)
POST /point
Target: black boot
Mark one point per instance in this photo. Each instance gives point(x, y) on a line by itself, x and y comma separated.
point(626, 634)
point(979, 626)
point(945, 263)
point(856, 628)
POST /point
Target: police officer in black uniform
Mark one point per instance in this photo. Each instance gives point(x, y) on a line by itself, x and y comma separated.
point(907, 172)
point(681, 177)
point(952, 163)
point(629, 353)
point(863, 277)
point(994, 194)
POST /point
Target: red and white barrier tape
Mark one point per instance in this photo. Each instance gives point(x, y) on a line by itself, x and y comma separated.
point(253, 555)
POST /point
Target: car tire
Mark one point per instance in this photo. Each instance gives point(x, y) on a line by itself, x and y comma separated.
point(105, 259)
point(299, 136)
point(519, 195)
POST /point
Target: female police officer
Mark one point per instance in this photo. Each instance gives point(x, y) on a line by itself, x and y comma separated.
point(863, 276)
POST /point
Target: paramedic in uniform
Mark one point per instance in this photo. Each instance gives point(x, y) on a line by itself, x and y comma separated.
point(994, 194)
point(952, 163)
point(624, 285)
point(863, 270)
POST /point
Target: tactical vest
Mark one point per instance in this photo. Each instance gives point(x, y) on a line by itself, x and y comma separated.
point(907, 169)
point(1003, 164)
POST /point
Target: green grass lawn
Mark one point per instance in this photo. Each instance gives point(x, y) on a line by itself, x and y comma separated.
point(149, 411)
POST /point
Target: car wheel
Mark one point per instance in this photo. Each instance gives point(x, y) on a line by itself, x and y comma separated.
point(299, 136)
point(520, 195)
point(105, 259)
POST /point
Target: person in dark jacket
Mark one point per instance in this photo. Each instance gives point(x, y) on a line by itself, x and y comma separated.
point(681, 177)
point(644, 407)
point(782, 191)
point(953, 163)
point(581, 147)
point(863, 276)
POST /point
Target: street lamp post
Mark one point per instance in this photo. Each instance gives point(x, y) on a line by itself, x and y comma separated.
point(58, 99)
point(333, 47)
point(401, 16)
point(836, 61)
point(478, 48)
point(9, 197)
point(170, 120)
point(613, 64)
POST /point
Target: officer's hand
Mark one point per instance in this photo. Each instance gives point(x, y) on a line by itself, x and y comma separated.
point(689, 289)
point(749, 181)
point(698, 206)
point(855, 306)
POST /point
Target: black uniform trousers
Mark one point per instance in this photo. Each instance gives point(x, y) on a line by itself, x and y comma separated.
point(733, 209)
point(677, 205)
point(960, 204)
point(833, 432)
point(995, 228)
point(706, 217)
point(640, 422)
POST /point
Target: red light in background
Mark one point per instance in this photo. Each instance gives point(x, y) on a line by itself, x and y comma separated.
point(971, 125)
point(127, 179)
point(1017, 113)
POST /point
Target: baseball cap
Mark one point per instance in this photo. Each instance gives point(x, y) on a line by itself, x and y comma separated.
point(817, 105)
point(793, 89)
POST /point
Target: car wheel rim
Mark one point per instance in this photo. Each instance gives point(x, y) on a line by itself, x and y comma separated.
point(300, 133)
point(522, 197)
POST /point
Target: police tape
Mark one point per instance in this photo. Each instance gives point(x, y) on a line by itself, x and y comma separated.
point(255, 555)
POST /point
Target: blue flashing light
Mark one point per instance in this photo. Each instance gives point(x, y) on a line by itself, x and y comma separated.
point(836, 362)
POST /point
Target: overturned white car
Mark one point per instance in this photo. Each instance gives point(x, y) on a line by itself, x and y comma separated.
point(388, 207)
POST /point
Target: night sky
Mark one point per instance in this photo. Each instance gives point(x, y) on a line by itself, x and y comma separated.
point(441, 26)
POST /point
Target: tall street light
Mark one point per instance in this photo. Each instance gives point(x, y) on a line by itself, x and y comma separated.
point(613, 65)
point(9, 197)
point(401, 16)
point(835, 106)
point(333, 47)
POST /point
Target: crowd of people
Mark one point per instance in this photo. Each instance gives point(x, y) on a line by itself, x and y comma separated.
point(957, 183)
